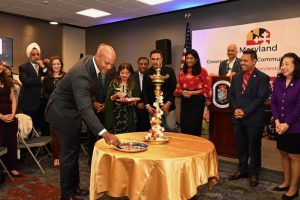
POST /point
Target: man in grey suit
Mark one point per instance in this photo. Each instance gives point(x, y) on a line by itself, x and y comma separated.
point(248, 91)
point(69, 104)
point(231, 66)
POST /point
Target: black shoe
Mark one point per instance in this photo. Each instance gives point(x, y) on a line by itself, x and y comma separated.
point(80, 192)
point(253, 181)
point(2, 177)
point(237, 175)
point(286, 197)
point(280, 189)
point(72, 197)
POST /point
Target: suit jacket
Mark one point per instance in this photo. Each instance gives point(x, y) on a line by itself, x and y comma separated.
point(168, 87)
point(31, 92)
point(285, 103)
point(252, 100)
point(71, 100)
point(138, 84)
point(235, 68)
point(102, 90)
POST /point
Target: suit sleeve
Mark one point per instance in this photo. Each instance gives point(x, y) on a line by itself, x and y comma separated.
point(81, 86)
point(231, 96)
point(109, 104)
point(173, 82)
point(220, 68)
point(28, 79)
point(294, 116)
point(145, 92)
point(261, 96)
point(135, 90)
point(274, 103)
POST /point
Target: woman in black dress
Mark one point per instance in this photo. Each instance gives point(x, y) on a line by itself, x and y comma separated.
point(55, 75)
point(193, 87)
point(8, 122)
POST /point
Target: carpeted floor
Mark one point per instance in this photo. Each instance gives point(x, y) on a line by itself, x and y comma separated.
point(36, 186)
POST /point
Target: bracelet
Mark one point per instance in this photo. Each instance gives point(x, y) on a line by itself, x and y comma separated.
point(112, 97)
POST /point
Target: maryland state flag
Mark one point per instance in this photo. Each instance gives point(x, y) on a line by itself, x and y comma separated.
point(258, 36)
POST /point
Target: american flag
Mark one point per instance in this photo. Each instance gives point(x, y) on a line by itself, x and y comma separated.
point(187, 43)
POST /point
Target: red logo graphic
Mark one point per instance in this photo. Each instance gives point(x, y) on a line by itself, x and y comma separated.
point(258, 36)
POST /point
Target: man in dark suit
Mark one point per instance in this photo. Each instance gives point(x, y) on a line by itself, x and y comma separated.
point(99, 107)
point(248, 91)
point(143, 123)
point(231, 66)
point(69, 104)
point(31, 75)
point(167, 88)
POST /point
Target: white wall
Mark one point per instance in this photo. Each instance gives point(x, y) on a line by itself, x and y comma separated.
point(73, 44)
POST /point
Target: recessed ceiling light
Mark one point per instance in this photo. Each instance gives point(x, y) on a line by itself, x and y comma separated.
point(93, 13)
point(154, 2)
point(53, 23)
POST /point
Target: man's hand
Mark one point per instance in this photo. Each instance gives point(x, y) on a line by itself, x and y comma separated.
point(41, 63)
point(151, 110)
point(166, 107)
point(99, 107)
point(239, 114)
point(141, 106)
point(111, 139)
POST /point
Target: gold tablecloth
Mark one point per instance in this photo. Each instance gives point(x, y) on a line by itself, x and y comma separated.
point(169, 171)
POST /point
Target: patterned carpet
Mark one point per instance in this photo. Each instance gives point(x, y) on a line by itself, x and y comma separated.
point(36, 186)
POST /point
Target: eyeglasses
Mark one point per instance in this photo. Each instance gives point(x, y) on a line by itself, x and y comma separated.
point(34, 54)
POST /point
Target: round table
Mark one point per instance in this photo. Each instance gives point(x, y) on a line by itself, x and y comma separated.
point(167, 171)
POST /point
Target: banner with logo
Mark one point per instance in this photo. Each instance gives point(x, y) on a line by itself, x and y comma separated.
point(271, 40)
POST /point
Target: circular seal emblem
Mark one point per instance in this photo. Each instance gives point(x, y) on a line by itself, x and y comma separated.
point(220, 94)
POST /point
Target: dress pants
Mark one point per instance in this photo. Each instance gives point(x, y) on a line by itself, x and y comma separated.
point(69, 140)
point(143, 121)
point(248, 141)
point(169, 122)
point(8, 139)
point(55, 148)
point(92, 138)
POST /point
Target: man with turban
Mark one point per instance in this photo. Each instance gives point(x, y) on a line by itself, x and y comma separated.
point(31, 75)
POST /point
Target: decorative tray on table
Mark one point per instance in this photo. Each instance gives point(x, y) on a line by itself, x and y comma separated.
point(132, 147)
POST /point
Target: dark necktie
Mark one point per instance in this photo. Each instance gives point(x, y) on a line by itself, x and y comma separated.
point(245, 81)
point(227, 69)
point(103, 79)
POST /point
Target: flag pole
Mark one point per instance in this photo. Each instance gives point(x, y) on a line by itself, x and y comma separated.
point(187, 16)
point(187, 43)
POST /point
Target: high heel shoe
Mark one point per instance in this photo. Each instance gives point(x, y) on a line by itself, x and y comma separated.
point(280, 189)
point(56, 164)
point(18, 175)
point(286, 197)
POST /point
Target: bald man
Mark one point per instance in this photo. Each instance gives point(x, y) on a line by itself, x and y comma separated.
point(69, 104)
point(232, 65)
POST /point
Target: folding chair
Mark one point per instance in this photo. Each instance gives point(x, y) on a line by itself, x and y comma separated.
point(3, 151)
point(33, 141)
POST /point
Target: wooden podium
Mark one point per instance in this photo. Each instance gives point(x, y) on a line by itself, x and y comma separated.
point(220, 124)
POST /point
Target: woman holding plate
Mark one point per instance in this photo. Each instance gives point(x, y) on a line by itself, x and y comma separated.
point(120, 101)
